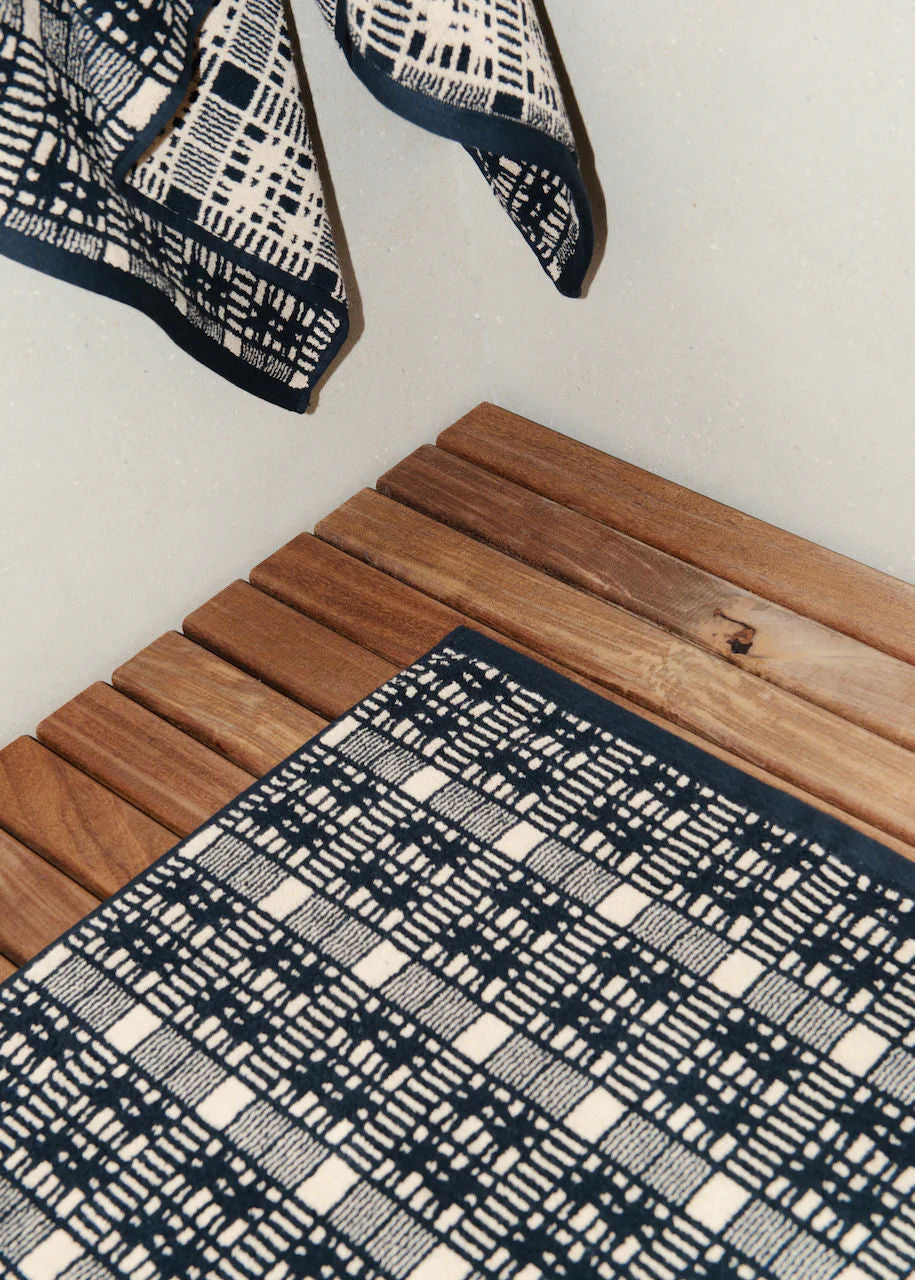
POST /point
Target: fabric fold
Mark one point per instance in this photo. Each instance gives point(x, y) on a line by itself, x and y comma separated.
point(160, 155)
point(481, 74)
point(217, 226)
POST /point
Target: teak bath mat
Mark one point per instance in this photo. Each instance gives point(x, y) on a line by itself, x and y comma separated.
point(490, 979)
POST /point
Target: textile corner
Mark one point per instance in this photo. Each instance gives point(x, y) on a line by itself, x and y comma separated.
point(161, 156)
point(490, 980)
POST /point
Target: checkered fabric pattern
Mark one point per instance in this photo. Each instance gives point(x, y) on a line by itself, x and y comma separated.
point(488, 60)
point(490, 981)
point(159, 153)
point(219, 229)
point(484, 55)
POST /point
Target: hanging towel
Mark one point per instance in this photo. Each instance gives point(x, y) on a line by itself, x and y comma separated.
point(158, 152)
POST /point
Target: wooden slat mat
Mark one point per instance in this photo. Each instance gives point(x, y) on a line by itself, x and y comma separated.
point(787, 660)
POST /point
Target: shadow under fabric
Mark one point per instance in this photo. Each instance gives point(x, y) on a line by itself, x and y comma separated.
point(160, 155)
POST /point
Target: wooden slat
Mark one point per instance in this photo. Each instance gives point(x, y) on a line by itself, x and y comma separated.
point(7, 968)
point(39, 902)
point(370, 608)
point(854, 680)
point(844, 764)
point(143, 758)
point(229, 711)
point(339, 627)
point(294, 654)
point(384, 614)
point(401, 624)
point(87, 831)
point(779, 566)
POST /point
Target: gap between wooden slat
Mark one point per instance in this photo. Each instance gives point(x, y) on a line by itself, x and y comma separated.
point(852, 679)
point(85, 830)
point(76, 809)
point(228, 710)
point(109, 750)
point(39, 901)
point(142, 758)
point(287, 650)
point(777, 565)
point(401, 623)
point(844, 764)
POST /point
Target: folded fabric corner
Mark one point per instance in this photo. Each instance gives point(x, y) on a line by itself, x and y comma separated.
point(160, 155)
point(482, 75)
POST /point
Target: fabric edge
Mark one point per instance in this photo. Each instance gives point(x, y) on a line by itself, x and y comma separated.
point(495, 134)
point(108, 281)
point(868, 854)
point(102, 278)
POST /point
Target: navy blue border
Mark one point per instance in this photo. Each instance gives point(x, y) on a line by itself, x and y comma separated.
point(839, 839)
point(480, 131)
point(101, 277)
point(836, 837)
point(773, 805)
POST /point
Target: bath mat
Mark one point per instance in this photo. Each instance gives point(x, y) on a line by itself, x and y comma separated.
point(491, 979)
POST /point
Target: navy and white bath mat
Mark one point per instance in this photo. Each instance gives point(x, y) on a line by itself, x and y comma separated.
point(159, 153)
point(489, 981)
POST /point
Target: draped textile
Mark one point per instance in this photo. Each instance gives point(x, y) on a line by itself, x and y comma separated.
point(158, 152)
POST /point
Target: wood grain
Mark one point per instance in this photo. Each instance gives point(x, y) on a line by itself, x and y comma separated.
point(229, 711)
point(39, 902)
point(293, 653)
point(262, 667)
point(779, 566)
point(401, 624)
point(370, 608)
point(808, 746)
point(7, 968)
point(826, 667)
point(87, 831)
point(142, 758)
